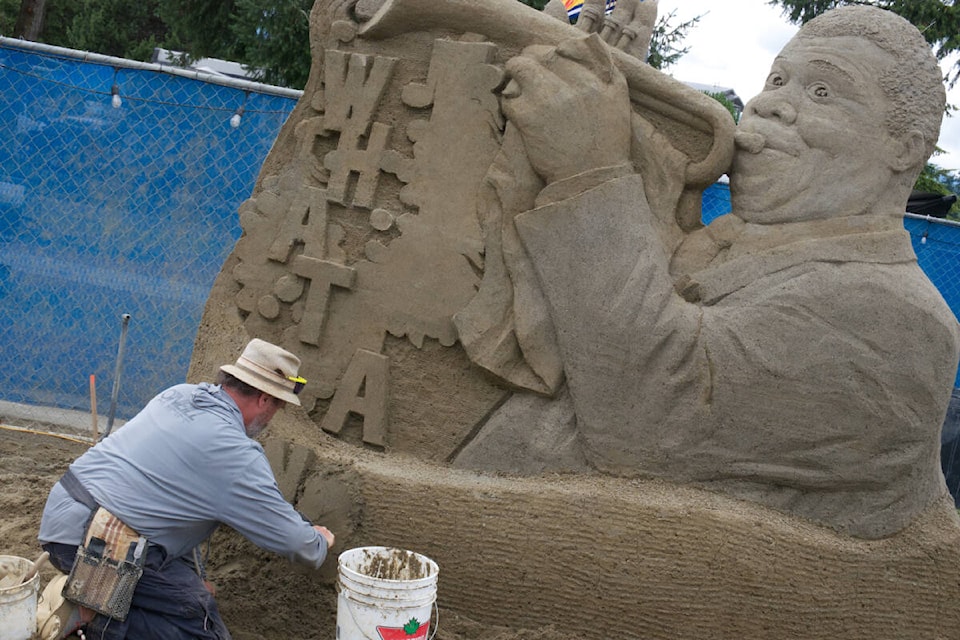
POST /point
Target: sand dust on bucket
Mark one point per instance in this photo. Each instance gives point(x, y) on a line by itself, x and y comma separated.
point(393, 564)
point(11, 573)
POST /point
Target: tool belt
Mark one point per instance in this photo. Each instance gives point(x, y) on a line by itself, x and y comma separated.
point(110, 561)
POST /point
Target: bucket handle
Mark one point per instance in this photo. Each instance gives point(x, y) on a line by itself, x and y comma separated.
point(436, 611)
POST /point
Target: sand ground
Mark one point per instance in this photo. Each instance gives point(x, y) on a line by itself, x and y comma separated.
point(262, 597)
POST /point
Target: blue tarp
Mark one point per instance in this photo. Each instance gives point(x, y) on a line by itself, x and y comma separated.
point(107, 211)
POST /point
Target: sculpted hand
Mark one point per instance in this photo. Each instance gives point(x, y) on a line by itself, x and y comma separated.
point(629, 26)
point(571, 107)
point(327, 535)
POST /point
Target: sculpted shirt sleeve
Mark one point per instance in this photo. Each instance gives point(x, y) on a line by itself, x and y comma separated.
point(254, 506)
point(604, 270)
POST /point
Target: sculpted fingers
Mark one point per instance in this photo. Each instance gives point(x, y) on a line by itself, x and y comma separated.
point(528, 90)
point(576, 81)
point(613, 24)
point(642, 26)
point(557, 9)
point(630, 26)
point(591, 15)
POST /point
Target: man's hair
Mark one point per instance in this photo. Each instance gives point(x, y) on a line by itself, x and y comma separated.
point(913, 83)
point(228, 381)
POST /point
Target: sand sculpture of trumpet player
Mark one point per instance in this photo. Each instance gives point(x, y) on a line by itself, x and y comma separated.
point(480, 230)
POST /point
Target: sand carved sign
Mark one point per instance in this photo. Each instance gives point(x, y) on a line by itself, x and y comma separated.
point(480, 231)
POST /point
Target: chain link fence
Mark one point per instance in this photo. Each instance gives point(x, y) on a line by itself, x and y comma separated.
point(119, 189)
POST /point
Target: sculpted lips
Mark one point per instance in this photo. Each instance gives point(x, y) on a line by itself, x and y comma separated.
point(749, 142)
point(756, 139)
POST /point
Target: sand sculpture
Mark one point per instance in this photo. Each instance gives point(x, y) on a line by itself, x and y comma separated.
point(480, 231)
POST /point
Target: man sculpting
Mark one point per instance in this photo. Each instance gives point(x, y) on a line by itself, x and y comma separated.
point(792, 352)
point(182, 466)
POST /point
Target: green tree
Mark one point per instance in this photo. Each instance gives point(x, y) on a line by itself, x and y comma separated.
point(201, 28)
point(275, 41)
point(665, 48)
point(116, 28)
point(271, 39)
point(726, 102)
point(9, 9)
point(936, 179)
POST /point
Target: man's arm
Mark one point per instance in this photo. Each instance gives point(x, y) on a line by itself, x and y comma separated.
point(254, 506)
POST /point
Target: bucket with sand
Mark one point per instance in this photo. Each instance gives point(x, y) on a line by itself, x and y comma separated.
point(19, 584)
point(385, 594)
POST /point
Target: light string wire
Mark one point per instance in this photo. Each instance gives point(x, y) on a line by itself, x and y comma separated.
point(115, 85)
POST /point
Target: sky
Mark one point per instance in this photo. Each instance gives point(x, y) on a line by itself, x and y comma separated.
point(734, 43)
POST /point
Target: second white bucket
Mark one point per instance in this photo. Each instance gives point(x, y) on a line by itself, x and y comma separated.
point(385, 594)
point(18, 604)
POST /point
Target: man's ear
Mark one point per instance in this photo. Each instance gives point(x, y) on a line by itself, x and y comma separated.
point(591, 52)
point(909, 151)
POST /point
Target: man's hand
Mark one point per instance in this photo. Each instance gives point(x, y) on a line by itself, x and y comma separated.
point(571, 107)
point(326, 533)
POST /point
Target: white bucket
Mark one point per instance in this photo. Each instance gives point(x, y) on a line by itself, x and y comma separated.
point(385, 594)
point(18, 604)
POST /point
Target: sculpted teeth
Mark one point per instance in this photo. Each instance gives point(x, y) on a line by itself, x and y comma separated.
point(749, 142)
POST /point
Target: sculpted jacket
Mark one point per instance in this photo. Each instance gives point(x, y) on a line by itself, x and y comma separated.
point(805, 366)
point(178, 469)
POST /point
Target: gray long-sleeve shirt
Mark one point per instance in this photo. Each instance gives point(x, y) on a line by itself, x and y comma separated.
point(178, 469)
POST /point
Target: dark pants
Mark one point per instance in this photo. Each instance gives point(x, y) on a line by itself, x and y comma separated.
point(169, 603)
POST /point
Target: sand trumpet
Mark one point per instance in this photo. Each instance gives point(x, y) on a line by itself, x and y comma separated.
point(515, 24)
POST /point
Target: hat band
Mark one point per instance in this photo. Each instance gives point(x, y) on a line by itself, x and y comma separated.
point(260, 371)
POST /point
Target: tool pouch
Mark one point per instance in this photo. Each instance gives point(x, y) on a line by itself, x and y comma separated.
point(108, 566)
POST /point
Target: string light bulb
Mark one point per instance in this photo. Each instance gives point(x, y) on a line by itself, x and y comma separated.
point(237, 117)
point(115, 98)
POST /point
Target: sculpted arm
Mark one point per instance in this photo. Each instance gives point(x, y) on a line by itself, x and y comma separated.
point(594, 243)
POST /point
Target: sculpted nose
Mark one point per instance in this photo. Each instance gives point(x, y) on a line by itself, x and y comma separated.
point(773, 105)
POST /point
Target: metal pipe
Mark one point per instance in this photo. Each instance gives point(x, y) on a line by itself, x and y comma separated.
point(935, 220)
point(96, 58)
point(125, 321)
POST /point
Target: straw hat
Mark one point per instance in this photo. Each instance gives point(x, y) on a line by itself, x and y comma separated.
point(268, 368)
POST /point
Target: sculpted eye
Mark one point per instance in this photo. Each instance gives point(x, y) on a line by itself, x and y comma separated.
point(775, 80)
point(820, 91)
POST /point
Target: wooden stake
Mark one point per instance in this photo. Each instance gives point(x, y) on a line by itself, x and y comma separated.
point(93, 405)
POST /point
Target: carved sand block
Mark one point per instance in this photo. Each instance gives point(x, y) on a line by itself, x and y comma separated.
point(380, 246)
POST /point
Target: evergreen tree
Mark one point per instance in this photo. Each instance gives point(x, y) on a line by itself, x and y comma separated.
point(202, 28)
point(275, 40)
point(116, 28)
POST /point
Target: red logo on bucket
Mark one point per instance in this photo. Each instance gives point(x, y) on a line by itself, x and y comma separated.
point(413, 630)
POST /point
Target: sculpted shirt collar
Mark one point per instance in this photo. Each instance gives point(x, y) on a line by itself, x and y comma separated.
point(748, 251)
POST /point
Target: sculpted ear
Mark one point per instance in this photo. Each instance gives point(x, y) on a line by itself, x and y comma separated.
point(910, 151)
point(591, 52)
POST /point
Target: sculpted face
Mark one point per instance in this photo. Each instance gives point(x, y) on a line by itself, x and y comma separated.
point(814, 144)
